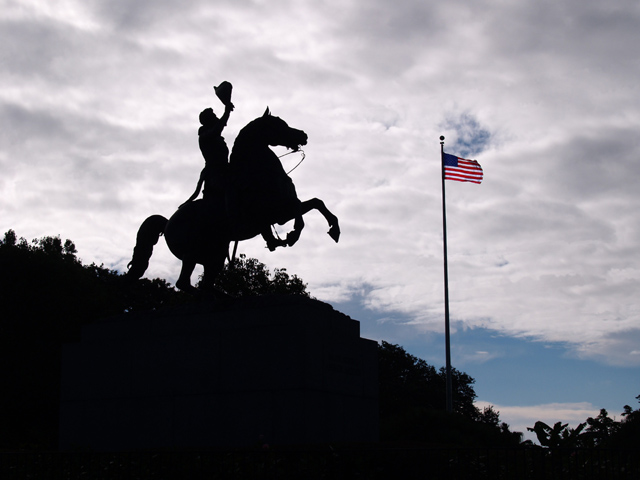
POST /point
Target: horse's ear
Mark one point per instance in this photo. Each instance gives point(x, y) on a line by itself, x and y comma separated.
point(266, 112)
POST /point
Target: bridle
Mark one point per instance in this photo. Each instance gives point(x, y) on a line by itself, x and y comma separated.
point(297, 164)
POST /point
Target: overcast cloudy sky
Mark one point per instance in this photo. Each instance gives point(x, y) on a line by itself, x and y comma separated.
point(99, 104)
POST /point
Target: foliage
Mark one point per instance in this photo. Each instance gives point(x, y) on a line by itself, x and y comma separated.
point(413, 404)
point(406, 382)
point(489, 416)
point(601, 431)
point(560, 435)
point(411, 382)
point(46, 295)
point(249, 277)
point(628, 434)
point(49, 269)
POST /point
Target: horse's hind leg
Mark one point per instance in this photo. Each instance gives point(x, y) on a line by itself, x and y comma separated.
point(184, 280)
point(212, 268)
point(332, 220)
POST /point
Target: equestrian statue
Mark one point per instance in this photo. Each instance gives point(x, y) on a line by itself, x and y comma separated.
point(243, 197)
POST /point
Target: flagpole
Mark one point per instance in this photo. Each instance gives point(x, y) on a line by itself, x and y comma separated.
point(447, 337)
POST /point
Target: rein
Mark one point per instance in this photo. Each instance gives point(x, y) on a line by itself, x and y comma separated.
point(297, 164)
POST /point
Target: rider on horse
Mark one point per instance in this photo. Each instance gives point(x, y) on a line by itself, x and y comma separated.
point(266, 178)
point(258, 193)
point(214, 149)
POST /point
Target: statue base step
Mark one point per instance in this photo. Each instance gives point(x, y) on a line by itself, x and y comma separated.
point(278, 370)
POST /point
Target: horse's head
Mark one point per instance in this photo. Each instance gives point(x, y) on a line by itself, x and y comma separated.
point(275, 131)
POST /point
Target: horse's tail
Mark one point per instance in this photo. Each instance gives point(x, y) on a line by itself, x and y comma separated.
point(148, 234)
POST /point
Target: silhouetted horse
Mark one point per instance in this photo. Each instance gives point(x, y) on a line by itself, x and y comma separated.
point(259, 194)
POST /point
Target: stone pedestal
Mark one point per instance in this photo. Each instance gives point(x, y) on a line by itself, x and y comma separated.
point(279, 370)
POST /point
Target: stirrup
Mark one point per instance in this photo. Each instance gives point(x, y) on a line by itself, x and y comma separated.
point(272, 244)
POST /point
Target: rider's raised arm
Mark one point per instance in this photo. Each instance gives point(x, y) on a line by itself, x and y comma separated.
point(228, 108)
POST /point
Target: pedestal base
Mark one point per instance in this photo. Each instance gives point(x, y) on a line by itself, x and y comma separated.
point(278, 370)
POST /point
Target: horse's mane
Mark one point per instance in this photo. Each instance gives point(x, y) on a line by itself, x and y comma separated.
point(248, 140)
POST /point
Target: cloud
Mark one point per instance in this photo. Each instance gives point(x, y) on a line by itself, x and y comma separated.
point(476, 357)
point(618, 346)
point(98, 122)
point(471, 138)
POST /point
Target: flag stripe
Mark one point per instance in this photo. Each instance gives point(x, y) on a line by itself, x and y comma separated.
point(462, 170)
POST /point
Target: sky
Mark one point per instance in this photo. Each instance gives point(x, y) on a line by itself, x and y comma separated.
point(99, 104)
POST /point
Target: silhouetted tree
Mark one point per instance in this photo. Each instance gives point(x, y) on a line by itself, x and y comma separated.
point(249, 277)
point(413, 404)
point(560, 435)
point(601, 428)
point(601, 431)
point(628, 435)
point(46, 295)
point(490, 417)
point(408, 381)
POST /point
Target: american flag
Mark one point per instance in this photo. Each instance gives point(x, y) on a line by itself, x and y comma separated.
point(456, 168)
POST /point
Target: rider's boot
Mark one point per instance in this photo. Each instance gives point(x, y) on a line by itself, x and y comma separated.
point(272, 242)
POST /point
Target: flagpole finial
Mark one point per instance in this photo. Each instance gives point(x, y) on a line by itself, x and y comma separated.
point(442, 139)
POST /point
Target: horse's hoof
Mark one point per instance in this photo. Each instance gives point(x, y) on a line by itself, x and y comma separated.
point(334, 232)
point(186, 287)
point(292, 237)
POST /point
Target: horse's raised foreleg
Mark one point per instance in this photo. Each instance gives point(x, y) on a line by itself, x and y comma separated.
point(296, 214)
point(332, 220)
point(298, 225)
point(293, 211)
